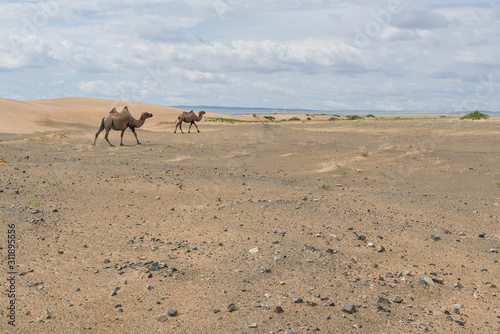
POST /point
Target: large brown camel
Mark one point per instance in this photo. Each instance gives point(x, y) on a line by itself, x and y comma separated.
point(120, 121)
point(189, 117)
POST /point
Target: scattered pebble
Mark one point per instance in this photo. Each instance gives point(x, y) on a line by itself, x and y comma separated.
point(162, 318)
point(349, 308)
point(435, 237)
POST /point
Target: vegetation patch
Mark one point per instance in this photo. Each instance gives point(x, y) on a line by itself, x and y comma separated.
point(294, 119)
point(353, 117)
point(333, 118)
point(229, 120)
point(475, 115)
point(271, 118)
point(370, 116)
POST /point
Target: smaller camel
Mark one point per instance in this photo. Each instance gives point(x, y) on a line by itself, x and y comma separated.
point(188, 117)
point(120, 121)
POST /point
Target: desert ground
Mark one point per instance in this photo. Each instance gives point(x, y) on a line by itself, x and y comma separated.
point(380, 225)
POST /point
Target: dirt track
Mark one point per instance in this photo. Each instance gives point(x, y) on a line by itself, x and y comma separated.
point(310, 197)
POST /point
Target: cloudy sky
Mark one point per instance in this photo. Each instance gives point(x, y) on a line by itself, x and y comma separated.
point(429, 55)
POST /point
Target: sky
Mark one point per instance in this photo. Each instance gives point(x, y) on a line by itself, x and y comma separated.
point(428, 55)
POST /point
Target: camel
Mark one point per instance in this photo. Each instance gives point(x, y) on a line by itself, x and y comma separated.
point(188, 117)
point(121, 121)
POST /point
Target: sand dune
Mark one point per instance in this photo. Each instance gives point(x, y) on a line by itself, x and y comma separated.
point(71, 113)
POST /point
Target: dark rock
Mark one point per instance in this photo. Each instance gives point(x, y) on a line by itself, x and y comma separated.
point(162, 318)
point(349, 308)
point(278, 309)
point(482, 235)
point(383, 301)
point(172, 312)
point(435, 237)
point(397, 299)
point(360, 237)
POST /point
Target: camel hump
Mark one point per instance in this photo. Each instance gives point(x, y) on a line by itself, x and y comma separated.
point(113, 111)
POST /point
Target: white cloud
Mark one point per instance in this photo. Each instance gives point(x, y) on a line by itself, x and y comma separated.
point(296, 54)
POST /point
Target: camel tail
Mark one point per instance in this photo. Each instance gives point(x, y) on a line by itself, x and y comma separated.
point(102, 125)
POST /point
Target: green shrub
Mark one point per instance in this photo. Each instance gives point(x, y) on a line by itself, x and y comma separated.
point(475, 115)
point(294, 119)
point(353, 117)
point(370, 116)
point(271, 118)
point(333, 118)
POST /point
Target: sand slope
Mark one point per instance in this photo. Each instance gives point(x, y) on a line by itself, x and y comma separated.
point(71, 113)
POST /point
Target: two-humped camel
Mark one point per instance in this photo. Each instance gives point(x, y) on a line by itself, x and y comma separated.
point(189, 117)
point(120, 121)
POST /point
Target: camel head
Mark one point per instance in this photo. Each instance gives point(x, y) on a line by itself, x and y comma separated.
point(145, 115)
point(202, 113)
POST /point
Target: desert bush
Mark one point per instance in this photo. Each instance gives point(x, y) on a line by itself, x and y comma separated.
point(353, 117)
point(475, 115)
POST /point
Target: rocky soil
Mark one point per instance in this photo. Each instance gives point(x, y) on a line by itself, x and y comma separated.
point(383, 226)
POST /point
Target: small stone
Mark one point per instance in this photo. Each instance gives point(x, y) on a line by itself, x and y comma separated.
point(172, 312)
point(254, 250)
point(115, 290)
point(162, 318)
point(383, 301)
point(55, 210)
point(278, 257)
point(349, 308)
point(397, 299)
point(193, 248)
point(435, 237)
point(482, 235)
point(360, 237)
point(297, 300)
point(278, 309)
point(370, 244)
point(231, 307)
point(428, 280)
point(107, 261)
point(379, 248)
point(311, 303)
point(253, 325)
point(48, 315)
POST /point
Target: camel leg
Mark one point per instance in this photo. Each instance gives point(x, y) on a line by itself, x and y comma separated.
point(135, 134)
point(96, 135)
point(190, 125)
point(196, 127)
point(102, 127)
point(106, 137)
point(176, 126)
point(121, 137)
point(180, 126)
